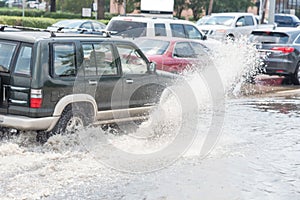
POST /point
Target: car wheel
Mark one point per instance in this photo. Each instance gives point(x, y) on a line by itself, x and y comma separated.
point(229, 38)
point(71, 121)
point(296, 76)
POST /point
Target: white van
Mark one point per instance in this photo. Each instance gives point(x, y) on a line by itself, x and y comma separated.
point(141, 26)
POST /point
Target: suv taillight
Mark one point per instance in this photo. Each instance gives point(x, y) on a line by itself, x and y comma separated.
point(36, 98)
point(284, 49)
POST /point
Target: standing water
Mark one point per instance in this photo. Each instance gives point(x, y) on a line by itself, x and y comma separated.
point(210, 138)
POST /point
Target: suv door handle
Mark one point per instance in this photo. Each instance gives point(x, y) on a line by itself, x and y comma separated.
point(92, 82)
point(129, 81)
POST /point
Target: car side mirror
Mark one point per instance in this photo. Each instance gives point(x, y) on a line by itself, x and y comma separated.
point(82, 30)
point(152, 67)
point(204, 37)
point(239, 24)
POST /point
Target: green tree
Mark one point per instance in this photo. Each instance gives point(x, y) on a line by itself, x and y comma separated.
point(131, 5)
point(179, 6)
point(231, 5)
point(197, 6)
point(73, 6)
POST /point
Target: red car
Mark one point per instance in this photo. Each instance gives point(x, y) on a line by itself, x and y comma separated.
point(173, 54)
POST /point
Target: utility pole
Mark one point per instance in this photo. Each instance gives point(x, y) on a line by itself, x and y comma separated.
point(211, 2)
point(263, 6)
point(124, 7)
point(271, 19)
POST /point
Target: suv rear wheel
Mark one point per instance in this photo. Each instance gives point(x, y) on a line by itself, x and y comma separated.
point(296, 76)
point(72, 120)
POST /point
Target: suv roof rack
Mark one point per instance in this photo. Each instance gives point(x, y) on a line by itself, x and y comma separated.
point(53, 33)
point(3, 27)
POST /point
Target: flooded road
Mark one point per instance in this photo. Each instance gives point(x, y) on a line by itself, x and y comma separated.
point(255, 155)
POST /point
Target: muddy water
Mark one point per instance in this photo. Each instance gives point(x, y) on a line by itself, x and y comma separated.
point(256, 155)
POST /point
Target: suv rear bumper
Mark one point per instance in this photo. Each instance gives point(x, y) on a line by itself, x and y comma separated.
point(26, 123)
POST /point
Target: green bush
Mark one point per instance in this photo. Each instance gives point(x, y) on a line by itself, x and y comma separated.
point(41, 13)
point(34, 22)
point(27, 21)
point(61, 15)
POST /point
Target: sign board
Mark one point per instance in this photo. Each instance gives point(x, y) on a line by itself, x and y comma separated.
point(86, 12)
point(157, 6)
point(95, 7)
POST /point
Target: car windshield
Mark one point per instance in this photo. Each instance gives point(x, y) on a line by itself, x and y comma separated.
point(202, 20)
point(269, 37)
point(220, 20)
point(153, 47)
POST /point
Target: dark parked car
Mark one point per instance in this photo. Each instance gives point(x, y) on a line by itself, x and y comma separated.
point(173, 54)
point(280, 51)
point(58, 83)
point(286, 20)
point(78, 26)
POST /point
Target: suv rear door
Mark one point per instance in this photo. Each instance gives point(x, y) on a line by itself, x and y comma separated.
point(15, 62)
point(20, 81)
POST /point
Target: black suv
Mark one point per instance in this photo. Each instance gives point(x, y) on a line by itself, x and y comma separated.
point(52, 83)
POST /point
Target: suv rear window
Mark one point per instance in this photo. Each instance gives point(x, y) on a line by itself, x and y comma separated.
point(269, 37)
point(7, 50)
point(127, 28)
point(24, 60)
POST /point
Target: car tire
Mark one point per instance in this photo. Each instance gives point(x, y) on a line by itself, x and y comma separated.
point(296, 76)
point(71, 121)
point(230, 38)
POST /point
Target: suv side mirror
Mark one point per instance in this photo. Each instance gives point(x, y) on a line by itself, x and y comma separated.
point(152, 67)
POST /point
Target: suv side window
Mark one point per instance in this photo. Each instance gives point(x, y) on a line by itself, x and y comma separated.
point(131, 60)
point(24, 60)
point(177, 30)
point(192, 32)
point(249, 21)
point(99, 59)
point(97, 27)
point(7, 50)
point(160, 30)
point(64, 60)
point(87, 26)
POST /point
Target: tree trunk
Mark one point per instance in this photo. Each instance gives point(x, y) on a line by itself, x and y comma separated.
point(53, 6)
point(100, 11)
point(211, 3)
